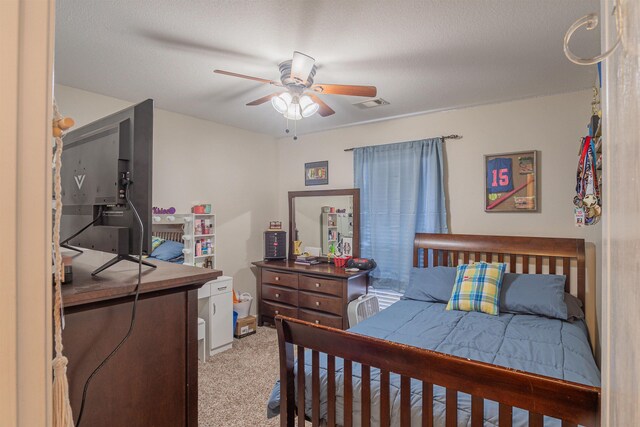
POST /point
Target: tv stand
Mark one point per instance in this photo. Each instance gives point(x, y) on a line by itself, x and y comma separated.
point(116, 260)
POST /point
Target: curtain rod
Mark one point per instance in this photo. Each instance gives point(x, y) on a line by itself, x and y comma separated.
point(444, 137)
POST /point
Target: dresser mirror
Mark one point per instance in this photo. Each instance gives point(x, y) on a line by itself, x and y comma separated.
point(325, 222)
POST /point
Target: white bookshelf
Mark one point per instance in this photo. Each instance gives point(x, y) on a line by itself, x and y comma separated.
point(329, 230)
point(199, 243)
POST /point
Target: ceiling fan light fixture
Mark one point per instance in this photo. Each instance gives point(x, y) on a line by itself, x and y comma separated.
point(293, 112)
point(307, 107)
point(281, 102)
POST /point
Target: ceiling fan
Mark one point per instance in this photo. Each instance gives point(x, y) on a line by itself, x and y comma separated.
point(298, 98)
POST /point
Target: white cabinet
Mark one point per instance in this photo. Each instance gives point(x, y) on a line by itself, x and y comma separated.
point(215, 306)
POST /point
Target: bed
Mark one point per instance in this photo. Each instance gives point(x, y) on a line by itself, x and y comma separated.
point(418, 364)
point(170, 243)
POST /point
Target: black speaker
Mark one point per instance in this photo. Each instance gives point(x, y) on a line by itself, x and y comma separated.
point(275, 245)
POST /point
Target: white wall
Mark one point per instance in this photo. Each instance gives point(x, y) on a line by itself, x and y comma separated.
point(552, 124)
point(196, 160)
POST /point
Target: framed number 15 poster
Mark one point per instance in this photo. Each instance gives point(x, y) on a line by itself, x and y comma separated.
point(511, 182)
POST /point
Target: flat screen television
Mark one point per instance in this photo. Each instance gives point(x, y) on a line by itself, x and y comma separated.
point(106, 172)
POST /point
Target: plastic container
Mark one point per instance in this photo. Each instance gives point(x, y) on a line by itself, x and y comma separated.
point(244, 306)
point(235, 321)
point(341, 261)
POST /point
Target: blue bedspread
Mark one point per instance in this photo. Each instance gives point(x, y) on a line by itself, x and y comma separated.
point(530, 343)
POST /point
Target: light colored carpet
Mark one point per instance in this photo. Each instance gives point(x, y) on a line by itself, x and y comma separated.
point(234, 386)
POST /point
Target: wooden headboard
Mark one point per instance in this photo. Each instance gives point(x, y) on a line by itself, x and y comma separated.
point(174, 235)
point(450, 249)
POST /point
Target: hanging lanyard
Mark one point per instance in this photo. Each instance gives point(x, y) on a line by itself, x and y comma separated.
point(582, 167)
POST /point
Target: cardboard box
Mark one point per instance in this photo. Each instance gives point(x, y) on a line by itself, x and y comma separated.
point(245, 326)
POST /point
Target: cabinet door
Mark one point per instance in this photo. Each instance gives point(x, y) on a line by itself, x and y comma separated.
point(221, 320)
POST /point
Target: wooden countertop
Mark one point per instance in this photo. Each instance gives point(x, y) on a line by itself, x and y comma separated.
point(322, 269)
point(120, 280)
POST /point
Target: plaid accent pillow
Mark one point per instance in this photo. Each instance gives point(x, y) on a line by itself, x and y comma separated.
point(155, 242)
point(477, 288)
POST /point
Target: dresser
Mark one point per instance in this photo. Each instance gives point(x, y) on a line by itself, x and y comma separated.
point(316, 293)
point(153, 379)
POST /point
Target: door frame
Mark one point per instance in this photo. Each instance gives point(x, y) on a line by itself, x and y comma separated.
point(26, 76)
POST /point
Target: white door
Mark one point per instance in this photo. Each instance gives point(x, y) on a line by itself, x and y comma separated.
point(221, 320)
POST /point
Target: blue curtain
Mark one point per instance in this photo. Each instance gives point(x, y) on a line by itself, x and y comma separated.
point(401, 194)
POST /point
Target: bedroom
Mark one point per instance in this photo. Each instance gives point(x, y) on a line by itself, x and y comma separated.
point(492, 72)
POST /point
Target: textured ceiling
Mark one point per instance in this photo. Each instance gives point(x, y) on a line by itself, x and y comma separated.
point(423, 56)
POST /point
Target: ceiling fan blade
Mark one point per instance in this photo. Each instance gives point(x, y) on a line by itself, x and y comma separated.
point(242, 76)
point(301, 67)
point(324, 110)
point(263, 99)
point(352, 90)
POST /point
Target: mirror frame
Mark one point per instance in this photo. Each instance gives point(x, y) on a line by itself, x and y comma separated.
point(354, 192)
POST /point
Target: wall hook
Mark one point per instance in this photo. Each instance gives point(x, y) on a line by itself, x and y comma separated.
point(590, 22)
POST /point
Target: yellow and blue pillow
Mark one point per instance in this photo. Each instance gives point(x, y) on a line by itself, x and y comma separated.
point(477, 288)
point(155, 242)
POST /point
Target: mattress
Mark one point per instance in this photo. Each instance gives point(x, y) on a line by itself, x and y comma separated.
point(536, 344)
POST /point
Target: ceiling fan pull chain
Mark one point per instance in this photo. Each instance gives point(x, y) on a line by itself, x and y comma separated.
point(295, 127)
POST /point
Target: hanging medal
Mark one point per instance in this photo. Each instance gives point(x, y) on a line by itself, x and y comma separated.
point(587, 208)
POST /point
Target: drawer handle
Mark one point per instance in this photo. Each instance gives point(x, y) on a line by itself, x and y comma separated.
point(277, 312)
point(317, 303)
point(317, 285)
point(317, 322)
point(222, 288)
point(277, 295)
point(276, 278)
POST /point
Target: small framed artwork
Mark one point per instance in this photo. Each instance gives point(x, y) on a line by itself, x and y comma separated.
point(316, 173)
point(511, 182)
point(347, 246)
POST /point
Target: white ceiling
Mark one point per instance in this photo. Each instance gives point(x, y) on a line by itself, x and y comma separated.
point(422, 55)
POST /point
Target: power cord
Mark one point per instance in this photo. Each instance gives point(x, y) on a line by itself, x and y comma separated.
point(100, 213)
point(133, 310)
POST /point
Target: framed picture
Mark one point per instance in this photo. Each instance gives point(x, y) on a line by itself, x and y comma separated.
point(316, 173)
point(347, 246)
point(511, 182)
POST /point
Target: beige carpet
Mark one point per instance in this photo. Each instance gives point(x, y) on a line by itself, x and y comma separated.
point(234, 386)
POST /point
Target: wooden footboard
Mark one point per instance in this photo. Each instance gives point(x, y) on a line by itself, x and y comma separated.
point(539, 395)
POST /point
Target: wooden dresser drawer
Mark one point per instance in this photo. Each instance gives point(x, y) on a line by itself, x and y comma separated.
point(280, 294)
point(320, 318)
point(289, 280)
point(272, 309)
point(325, 286)
point(316, 301)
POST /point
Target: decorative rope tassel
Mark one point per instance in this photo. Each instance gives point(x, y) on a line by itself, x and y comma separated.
point(62, 413)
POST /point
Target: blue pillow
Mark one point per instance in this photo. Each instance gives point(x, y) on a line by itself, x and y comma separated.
point(168, 250)
point(541, 294)
point(574, 308)
point(432, 284)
